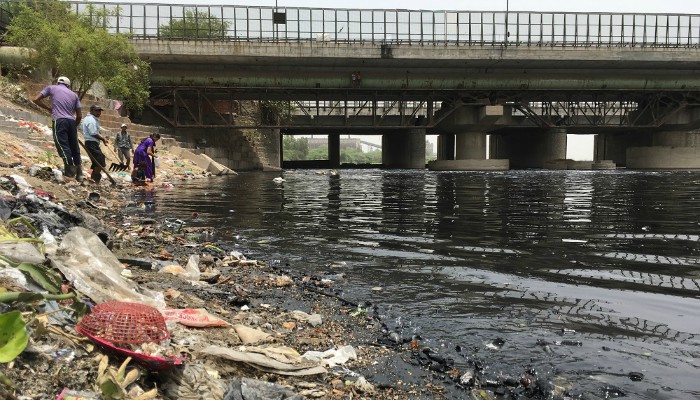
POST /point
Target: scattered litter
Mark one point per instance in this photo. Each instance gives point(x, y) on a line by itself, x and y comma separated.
point(193, 317)
point(332, 357)
point(295, 366)
point(251, 335)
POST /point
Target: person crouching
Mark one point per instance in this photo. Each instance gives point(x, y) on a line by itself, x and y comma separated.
point(138, 175)
point(91, 133)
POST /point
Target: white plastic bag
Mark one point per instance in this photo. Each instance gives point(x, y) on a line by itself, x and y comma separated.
point(50, 243)
point(96, 272)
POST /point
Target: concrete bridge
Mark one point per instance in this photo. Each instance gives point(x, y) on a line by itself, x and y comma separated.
point(522, 79)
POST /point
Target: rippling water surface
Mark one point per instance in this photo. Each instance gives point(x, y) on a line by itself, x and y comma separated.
point(466, 258)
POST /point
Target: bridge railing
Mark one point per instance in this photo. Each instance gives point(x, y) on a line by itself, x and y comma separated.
point(515, 28)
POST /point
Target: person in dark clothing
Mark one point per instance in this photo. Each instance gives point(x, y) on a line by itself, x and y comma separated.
point(66, 115)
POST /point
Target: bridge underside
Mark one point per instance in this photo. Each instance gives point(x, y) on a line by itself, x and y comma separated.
point(367, 109)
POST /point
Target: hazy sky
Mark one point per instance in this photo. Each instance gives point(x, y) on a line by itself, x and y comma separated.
point(642, 6)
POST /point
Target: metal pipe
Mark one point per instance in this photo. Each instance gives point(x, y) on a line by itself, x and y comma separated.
point(437, 82)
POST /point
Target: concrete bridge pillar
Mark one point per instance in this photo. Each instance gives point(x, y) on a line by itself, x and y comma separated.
point(668, 150)
point(528, 148)
point(471, 146)
point(613, 146)
point(404, 149)
point(334, 150)
point(446, 146)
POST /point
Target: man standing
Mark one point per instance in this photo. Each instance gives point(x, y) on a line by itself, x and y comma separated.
point(66, 115)
point(91, 134)
point(124, 146)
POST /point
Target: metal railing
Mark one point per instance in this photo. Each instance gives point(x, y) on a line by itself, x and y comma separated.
point(515, 28)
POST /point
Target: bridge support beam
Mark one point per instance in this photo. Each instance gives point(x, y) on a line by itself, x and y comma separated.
point(404, 149)
point(470, 156)
point(471, 146)
point(529, 149)
point(668, 150)
point(446, 146)
point(613, 146)
point(334, 150)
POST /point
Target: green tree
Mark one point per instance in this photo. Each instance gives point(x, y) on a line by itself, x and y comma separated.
point(295, 149)
point(276, 112)
point(356, 156)
point(195, 25)
point(79, 47)
point(320, 153)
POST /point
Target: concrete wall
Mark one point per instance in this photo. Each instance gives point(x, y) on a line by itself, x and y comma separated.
point(676, 139)
point(469, 165)
point(663, 157)
point(658, 150)
point(234, 148)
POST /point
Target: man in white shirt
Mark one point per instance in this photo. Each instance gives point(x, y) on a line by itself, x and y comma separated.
point(91, 133)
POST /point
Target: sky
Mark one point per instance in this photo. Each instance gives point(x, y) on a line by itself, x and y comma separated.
point(641, 6)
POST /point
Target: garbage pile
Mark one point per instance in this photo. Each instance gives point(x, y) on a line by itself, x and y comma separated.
point(67, 304)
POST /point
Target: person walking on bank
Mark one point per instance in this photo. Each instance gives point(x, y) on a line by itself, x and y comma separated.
point(66, 115)
point(123, 146)
point(91, 134)
point(144, 152)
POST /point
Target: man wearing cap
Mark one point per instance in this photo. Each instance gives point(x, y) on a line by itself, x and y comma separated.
point(123, 145)
point(92, 137)
point(66, 115)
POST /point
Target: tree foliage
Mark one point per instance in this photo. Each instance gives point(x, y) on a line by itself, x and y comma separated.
point(195, 25)
point(79, 47)
point(276, 112)
point(320, 153)
point(295, 149)
point(356, 156)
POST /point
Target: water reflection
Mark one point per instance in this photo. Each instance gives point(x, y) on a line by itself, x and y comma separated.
point(466, 257)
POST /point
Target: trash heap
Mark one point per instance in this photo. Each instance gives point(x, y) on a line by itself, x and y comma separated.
point(71, 304)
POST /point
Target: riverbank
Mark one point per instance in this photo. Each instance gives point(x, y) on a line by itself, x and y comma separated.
point(270, 315)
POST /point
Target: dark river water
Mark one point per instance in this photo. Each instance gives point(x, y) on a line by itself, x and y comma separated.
point(583, 276)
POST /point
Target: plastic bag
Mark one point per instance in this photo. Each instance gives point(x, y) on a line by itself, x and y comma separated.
point(50, 243)
point(96, 272)
point(156, 161)
point(332, 357)
point(196, 317)
point(189, 272)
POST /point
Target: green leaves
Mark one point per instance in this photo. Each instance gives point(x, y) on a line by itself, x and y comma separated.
point(195, 25)
point(48, 279)
point(13, 335)
point(79, 47)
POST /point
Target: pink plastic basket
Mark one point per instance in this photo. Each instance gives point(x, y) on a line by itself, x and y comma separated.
point(120, 322)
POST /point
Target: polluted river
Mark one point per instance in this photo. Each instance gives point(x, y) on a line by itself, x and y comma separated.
point(589, 279)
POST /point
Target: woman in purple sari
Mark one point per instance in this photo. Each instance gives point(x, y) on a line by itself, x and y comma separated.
point(144, 152)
